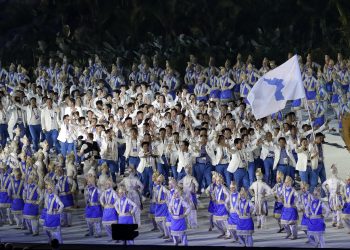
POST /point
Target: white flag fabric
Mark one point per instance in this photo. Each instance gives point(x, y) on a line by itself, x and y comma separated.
point(272, 91)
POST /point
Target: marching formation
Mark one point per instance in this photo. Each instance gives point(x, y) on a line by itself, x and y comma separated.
point(120, 139)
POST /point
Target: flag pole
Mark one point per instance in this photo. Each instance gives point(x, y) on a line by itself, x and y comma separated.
point(308, 110)
point(307, 104)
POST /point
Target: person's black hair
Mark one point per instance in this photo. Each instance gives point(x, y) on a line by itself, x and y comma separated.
point(282, 139)
point(319, 134)
point(237, 140)
point(250, 130)
point(302, 139)
point(90, 136)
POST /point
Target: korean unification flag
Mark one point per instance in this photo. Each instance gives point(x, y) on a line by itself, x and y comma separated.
point(272, 91)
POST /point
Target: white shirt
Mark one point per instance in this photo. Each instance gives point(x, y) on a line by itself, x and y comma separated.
point(33, 116)
point(49, 119)
point(185, 159)
point(67, 133)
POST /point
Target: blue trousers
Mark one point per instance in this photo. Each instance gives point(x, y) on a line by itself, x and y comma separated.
point(66, 148)
point(241, 178)
point(164, 168)
point(269, 175)
point(51, 137)
point(174, 172)
point(147, 180)
point(113, 167)
point(121, 158)
point(251, 172)
point(35, 132)
point(283, 168)
point(3, 134)
point(319, 172)
point(291, 172)
point(306, 176)
point(202, 173)
point(220, 168)
point(259, 163)
point(228, 177)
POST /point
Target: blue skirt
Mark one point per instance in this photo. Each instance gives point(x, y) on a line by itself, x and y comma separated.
point(17, 205)
point(233, 219)
point(93, 212)
point(220, 210)
point(215, 94)
point(5, 199)
point(226, 95)
point(190, 89)
point(202, 98)
point(289, 214)
point(30, 210)
point(178, 226)
point(161, 210)
point(304, 222)
point(277, 209)
point(43, 214)
point(52, 220)
point(126, 219)
point(245, 226)
point(109, 215)
point(346, 208)
point(316, 225)
point(311, 95)
point(67, 200)
point(152, 208)
point(211, 207)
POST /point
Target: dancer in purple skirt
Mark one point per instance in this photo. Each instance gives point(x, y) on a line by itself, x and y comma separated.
point(316, 224)
point(108, 199)
point(178, 209)
point(289, 216)
point(245, 224)
point(126, 209)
